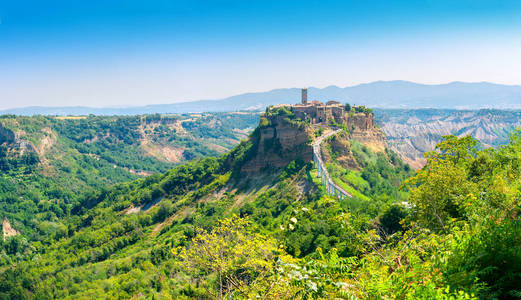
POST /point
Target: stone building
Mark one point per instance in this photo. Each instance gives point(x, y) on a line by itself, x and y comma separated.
point(318, 112)
point(304, 96)
point(324, 113)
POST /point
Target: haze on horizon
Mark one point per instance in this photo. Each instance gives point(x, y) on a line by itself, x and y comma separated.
point(128, 53)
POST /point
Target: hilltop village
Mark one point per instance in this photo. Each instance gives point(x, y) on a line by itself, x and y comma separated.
point(330, 113)
point(318, 112)
point(286, 131)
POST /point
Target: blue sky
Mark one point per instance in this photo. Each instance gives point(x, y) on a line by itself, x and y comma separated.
point(120, 53)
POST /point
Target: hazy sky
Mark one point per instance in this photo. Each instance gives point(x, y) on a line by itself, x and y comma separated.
point(119, 53)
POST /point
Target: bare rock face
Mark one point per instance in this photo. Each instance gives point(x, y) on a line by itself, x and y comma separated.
point(15, 142)
point(280, 143)
point(360, 121)
point(373, 139)
point(7, 230)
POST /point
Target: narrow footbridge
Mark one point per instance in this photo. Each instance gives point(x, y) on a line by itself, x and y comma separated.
point(331, 188)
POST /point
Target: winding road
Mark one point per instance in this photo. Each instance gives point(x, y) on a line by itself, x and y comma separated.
point(331, 187)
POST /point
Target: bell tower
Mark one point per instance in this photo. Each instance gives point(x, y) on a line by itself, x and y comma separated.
point(305, 96)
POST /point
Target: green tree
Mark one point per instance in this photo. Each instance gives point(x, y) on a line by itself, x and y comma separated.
point(440, 191)
point(241, 260)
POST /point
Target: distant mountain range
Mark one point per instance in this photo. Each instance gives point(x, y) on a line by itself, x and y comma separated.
point(379, 94)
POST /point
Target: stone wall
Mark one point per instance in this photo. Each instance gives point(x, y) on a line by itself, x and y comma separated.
point(360, 121)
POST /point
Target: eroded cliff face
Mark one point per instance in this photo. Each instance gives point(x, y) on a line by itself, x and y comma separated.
point(411, 133)
point(360, 121)
point(279, 143)
point(14, 140)
point(361, 128)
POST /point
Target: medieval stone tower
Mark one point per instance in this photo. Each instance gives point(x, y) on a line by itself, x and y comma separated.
point(305, 96)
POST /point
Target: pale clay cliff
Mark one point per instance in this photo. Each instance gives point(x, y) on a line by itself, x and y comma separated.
point(411, 133)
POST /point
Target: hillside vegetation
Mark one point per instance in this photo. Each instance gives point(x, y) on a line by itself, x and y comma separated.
point(243, 225)
point(49, 164)
point(278, 218)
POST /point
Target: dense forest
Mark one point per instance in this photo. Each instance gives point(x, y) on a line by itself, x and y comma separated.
point(205, 230)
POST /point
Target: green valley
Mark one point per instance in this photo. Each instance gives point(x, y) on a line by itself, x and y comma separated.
point(255, 222)
point(49, 164)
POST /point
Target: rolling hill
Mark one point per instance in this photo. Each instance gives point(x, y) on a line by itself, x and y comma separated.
point(48, 164)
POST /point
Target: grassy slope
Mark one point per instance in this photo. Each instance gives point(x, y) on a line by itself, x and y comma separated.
point(377, 182)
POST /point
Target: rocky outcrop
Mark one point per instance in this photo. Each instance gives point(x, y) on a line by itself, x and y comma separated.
point(360, 121)
point(46, 142)
point(279, 143)
point(16, 145)
point(373, 139)
point(282, 138)
point(7, 230)
point(361, 128)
